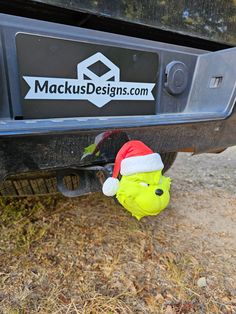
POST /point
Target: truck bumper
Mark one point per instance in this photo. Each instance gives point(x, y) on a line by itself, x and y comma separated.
point(74, 149)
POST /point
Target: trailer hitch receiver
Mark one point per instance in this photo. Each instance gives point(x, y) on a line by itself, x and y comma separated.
point(89, 179)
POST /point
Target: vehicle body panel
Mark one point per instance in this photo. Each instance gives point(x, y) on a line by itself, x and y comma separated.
point(55, 143)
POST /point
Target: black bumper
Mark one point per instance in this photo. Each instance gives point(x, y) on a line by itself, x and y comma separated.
point(63, 150)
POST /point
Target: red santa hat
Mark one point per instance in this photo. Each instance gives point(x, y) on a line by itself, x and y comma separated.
point(133, 157)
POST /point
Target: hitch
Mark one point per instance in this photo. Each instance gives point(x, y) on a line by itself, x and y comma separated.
point(90, 179)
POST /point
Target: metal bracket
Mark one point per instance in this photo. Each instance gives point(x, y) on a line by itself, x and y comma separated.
point(91, 179)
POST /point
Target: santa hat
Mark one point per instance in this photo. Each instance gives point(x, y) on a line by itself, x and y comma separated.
point(133, 157)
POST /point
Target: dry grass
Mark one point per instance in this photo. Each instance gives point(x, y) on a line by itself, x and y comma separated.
point(88, 256)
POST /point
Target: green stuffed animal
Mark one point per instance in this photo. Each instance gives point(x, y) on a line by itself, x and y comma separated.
point(142, 189)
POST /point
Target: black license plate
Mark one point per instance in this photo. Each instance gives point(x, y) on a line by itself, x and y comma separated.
point(64, 78)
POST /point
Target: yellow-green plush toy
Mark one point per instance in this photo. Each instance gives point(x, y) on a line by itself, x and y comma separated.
point(142, 189)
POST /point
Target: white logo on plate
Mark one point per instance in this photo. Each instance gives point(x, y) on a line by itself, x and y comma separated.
point(89, 86)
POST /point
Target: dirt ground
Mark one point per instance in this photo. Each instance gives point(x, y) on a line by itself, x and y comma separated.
point(88, 255)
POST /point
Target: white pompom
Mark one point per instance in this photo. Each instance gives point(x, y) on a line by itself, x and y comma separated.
point(110, 186)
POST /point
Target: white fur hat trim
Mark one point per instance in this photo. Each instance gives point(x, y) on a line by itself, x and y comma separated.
point(139, 164)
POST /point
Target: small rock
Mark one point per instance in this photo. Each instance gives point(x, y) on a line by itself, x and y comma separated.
point(169, 310)
point(202, 282)
point(159, 298)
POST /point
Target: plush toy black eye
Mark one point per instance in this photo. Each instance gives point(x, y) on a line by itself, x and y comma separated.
point(159, 192)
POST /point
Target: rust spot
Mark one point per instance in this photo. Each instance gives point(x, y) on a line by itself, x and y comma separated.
point(101, 176)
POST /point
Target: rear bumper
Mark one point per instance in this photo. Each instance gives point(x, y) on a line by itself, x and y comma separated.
point(14, 128)
point(69, 149)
